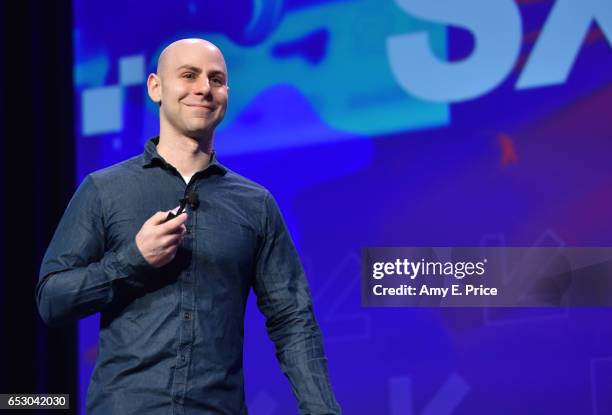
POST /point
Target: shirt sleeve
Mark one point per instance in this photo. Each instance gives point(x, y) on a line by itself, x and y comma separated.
point(284, 298)
point(77, 277)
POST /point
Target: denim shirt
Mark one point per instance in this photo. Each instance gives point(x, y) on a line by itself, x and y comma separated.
point(171, 338)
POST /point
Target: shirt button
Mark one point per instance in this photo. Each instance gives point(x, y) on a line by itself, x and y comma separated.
point(182, 358)
point(187, 316)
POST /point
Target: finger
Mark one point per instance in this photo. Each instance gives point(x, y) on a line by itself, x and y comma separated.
point(179, 230)
point(174, 224)
point(171, 240)
point(161, 217)
point(157, 218)
point(171, 214)
point(170, 252)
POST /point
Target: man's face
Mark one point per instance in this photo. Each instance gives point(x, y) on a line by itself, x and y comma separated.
point(191, 85)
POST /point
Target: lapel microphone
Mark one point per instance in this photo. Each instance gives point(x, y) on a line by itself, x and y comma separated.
point(191, 199)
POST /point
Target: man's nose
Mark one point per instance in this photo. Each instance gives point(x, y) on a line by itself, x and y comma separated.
point(203, 86)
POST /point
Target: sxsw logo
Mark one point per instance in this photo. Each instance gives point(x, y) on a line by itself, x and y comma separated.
point(382, 77)
point(497, 30)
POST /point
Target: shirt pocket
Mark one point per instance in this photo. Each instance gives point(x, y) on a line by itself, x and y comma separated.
point(226, 243)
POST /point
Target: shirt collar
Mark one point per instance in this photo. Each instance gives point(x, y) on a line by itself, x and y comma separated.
point(152, 158)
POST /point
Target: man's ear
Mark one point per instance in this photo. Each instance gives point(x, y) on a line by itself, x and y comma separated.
point(154, 88)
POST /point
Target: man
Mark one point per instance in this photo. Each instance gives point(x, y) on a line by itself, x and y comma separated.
point(172, 290)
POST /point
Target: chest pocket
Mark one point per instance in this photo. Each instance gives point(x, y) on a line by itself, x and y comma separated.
point(226, 242)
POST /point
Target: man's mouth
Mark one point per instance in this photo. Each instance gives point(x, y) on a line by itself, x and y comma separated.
point(202, 106)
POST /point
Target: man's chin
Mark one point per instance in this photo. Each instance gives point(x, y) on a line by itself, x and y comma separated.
point(197, 132)
point(204, 128)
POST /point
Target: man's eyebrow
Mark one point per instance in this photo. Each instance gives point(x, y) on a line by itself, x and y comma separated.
point(216, 72)
point(190, 67)
point(198, 70)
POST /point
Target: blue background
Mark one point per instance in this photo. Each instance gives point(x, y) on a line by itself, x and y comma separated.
point(317, 116)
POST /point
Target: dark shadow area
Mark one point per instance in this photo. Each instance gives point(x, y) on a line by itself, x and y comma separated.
point(36, 121)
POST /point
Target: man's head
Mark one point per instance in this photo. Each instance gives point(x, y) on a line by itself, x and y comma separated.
point(191, 87)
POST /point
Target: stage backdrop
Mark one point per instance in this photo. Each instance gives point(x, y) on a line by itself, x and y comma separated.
point(394, 123)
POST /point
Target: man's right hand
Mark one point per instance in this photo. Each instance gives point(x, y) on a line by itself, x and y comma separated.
point(158, 241)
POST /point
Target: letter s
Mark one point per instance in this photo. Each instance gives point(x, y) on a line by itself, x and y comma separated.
point(496, 27)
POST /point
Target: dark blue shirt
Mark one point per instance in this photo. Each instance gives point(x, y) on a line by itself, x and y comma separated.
point(171, 339)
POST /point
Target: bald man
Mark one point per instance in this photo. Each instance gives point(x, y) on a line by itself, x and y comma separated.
point(171, 285)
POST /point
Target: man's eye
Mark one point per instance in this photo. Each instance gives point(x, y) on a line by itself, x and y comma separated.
point(189, 75)
point(217, 81)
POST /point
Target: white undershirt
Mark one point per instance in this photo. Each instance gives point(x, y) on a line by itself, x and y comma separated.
point(187, 178)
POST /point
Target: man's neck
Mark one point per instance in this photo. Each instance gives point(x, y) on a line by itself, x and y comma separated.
point(188, 155)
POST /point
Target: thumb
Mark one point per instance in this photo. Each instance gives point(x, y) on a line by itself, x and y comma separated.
point(157, 218)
